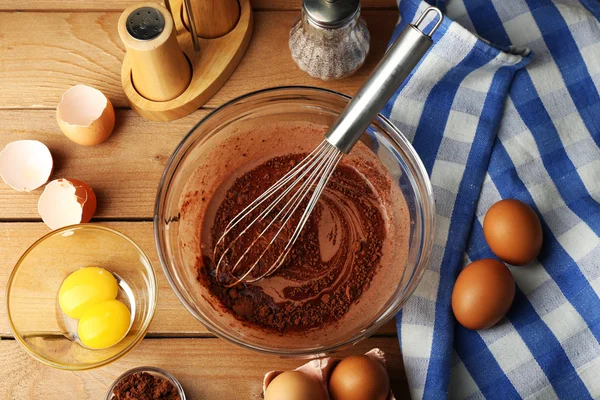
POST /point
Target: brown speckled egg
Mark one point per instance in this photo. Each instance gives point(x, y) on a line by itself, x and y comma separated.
point(359, 378)
point(482, 294)
point(294, 385)
point(513, 231)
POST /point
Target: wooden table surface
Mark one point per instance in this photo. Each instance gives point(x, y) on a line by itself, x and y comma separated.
point(47, 46)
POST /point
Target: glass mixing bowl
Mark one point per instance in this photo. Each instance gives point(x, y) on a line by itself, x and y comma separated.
point(32, 294)
point(240, 120)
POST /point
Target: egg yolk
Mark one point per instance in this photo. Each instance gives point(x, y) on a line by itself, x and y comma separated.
point(86, 288)
point(104, 324)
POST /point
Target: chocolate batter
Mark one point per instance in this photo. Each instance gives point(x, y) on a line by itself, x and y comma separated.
point(332, 262)
point(331, 296)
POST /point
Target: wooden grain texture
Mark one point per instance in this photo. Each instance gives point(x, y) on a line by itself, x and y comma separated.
point(64, 49)
point(118, 5)
point(159, 68)
point(206, 368)
point(124, 171)
point(171, 318)
point(214, 18)
point(211, 66)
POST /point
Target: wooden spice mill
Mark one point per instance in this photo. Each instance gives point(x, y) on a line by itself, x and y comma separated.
point(179, 55)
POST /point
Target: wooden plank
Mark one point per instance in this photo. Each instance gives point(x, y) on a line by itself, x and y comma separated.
point(124, 171)
point(64, 49)
point(117, 5)
point(171, 318)
point(206, 368)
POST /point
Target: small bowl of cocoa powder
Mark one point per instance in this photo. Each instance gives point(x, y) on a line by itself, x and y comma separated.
point(146, 383)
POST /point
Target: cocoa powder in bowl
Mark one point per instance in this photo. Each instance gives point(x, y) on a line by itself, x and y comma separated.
point(332, 261)
point(347, 265)
point(145, 386)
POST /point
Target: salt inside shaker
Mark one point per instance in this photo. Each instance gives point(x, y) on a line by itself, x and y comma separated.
point(330, 41)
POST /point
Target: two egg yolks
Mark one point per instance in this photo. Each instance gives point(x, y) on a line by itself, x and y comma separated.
point(89, 294)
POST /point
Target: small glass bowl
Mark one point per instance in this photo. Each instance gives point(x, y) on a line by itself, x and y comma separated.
point(32, 293)
point(161, 373)
point(243, 118)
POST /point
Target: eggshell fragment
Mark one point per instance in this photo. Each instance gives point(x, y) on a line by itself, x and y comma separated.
point(25, 165)
point(85, 115)
point(66, 202)
point(483, 293)
point(513, 231)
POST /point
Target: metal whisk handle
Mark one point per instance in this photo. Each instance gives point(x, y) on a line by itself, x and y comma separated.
point(397, 63)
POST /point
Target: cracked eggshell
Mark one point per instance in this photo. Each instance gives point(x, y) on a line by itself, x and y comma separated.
point(66, 202)
point(85, 115)
point(25, 165)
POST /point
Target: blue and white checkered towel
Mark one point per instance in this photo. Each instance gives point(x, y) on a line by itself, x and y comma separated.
point(522, 122)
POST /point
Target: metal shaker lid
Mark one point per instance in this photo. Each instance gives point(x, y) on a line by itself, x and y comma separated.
point(331, 13)
point(145, 23)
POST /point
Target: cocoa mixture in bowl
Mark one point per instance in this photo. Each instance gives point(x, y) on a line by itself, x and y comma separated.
point(331, 263)
point(345, 265)
point(372, 232)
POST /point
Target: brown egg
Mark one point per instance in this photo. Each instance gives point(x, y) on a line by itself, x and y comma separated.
point(513, 231)
point(359, 378)
point(294, 385)
point(482, 293)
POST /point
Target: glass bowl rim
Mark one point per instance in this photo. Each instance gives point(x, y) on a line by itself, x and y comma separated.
point(396, 136)
point(139, 336)
point(170, 377)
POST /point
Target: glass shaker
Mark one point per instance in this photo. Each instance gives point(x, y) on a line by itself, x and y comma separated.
point(330, 41)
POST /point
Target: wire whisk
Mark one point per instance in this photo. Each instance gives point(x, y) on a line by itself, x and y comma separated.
point(306, 180)
point(257, 241)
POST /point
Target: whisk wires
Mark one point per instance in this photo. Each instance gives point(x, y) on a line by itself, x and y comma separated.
point(298, 191)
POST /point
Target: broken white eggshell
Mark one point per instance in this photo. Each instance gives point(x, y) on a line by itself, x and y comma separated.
point(25, 165)
point(66, 202)
point(85, 115)
point(321, 370)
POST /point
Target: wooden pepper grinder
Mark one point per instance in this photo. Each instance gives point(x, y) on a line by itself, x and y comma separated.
point(173, 66)
point(159, 69)
point(213, 18)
